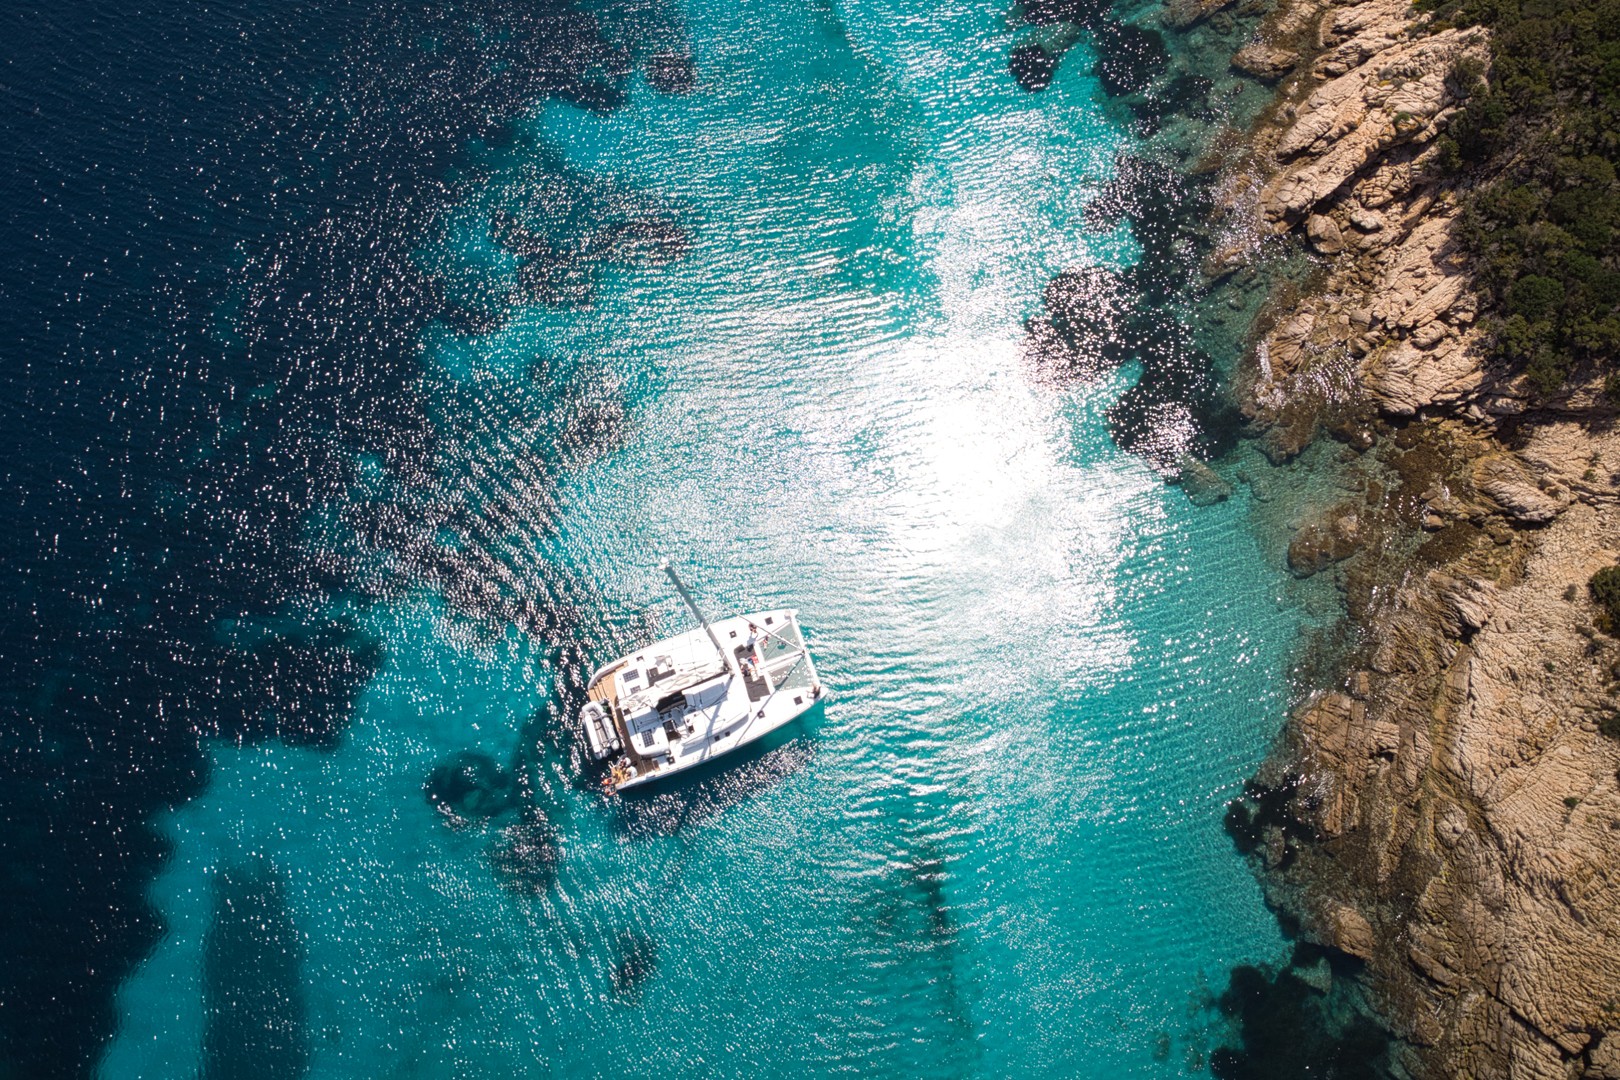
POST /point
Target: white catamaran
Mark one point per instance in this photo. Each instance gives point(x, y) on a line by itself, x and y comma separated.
point(688, 699)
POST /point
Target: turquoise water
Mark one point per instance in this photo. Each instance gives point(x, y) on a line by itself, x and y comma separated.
point(997, 849)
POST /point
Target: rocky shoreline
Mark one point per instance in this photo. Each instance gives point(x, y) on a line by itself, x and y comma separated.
point(1444, 810)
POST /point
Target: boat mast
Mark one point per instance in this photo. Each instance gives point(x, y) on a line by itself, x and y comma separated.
point(680, 587)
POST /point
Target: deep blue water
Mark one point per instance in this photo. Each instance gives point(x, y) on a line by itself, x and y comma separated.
point(363, 360)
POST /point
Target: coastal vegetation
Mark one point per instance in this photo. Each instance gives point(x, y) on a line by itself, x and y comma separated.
point(1605, 589)
point(1544, 228)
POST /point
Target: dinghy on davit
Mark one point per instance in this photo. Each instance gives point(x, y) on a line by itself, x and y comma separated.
point(688, 699)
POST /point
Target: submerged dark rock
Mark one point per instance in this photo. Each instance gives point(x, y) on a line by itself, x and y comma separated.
point(1288, 1029)
point(517, 236)
point(1329, 538)
point(303, 682)
point(1090, 304)
point(636, 958)
point(284, 258)
point(671, 73)
point(645, 242)
point(1084, 332)
point(564, 226)
point(480, 305)
point(1260, 811)
point(1129, 57)
point(1032, 66)
point(468, 788)
point(558, 279)
point(1186, 95)
point(1203, 485)
point(253, 961)
point(1178, 409)
point(1052, 12)
point(524, 855)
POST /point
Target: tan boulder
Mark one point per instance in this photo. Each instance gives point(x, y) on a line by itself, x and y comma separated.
point(1324, 234)
point(1349, 931)
point(1264, 61)
point(1505, 480)
point(1470, 601)
point(1331, 537)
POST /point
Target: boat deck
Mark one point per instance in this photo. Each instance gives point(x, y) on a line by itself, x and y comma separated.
point(758, 688)
point(766, 687)
point(602, 689)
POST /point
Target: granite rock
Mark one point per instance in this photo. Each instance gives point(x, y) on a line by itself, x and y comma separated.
point(1462, 802)
point(1324, 234)
point(1394, 96)
point(1264, 61)
point(1181, 14)
point(1328, 538)
point(1468, 776)
point(1504, 479)
point(1350, 932)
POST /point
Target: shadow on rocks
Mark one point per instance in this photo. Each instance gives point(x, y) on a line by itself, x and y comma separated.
point(1294, 1024)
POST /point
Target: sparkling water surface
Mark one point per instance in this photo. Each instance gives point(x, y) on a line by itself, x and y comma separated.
point(996, 850)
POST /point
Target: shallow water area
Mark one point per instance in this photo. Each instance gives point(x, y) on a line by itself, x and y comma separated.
point(996, 850)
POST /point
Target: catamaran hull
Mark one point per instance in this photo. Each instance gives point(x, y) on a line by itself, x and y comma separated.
point(683, 765)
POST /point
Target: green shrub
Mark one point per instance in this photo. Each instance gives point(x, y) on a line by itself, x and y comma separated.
point(1605, 589)
point(1466, 77)
point(1448, 156)
point(1544, 231)
point(1536, 297)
